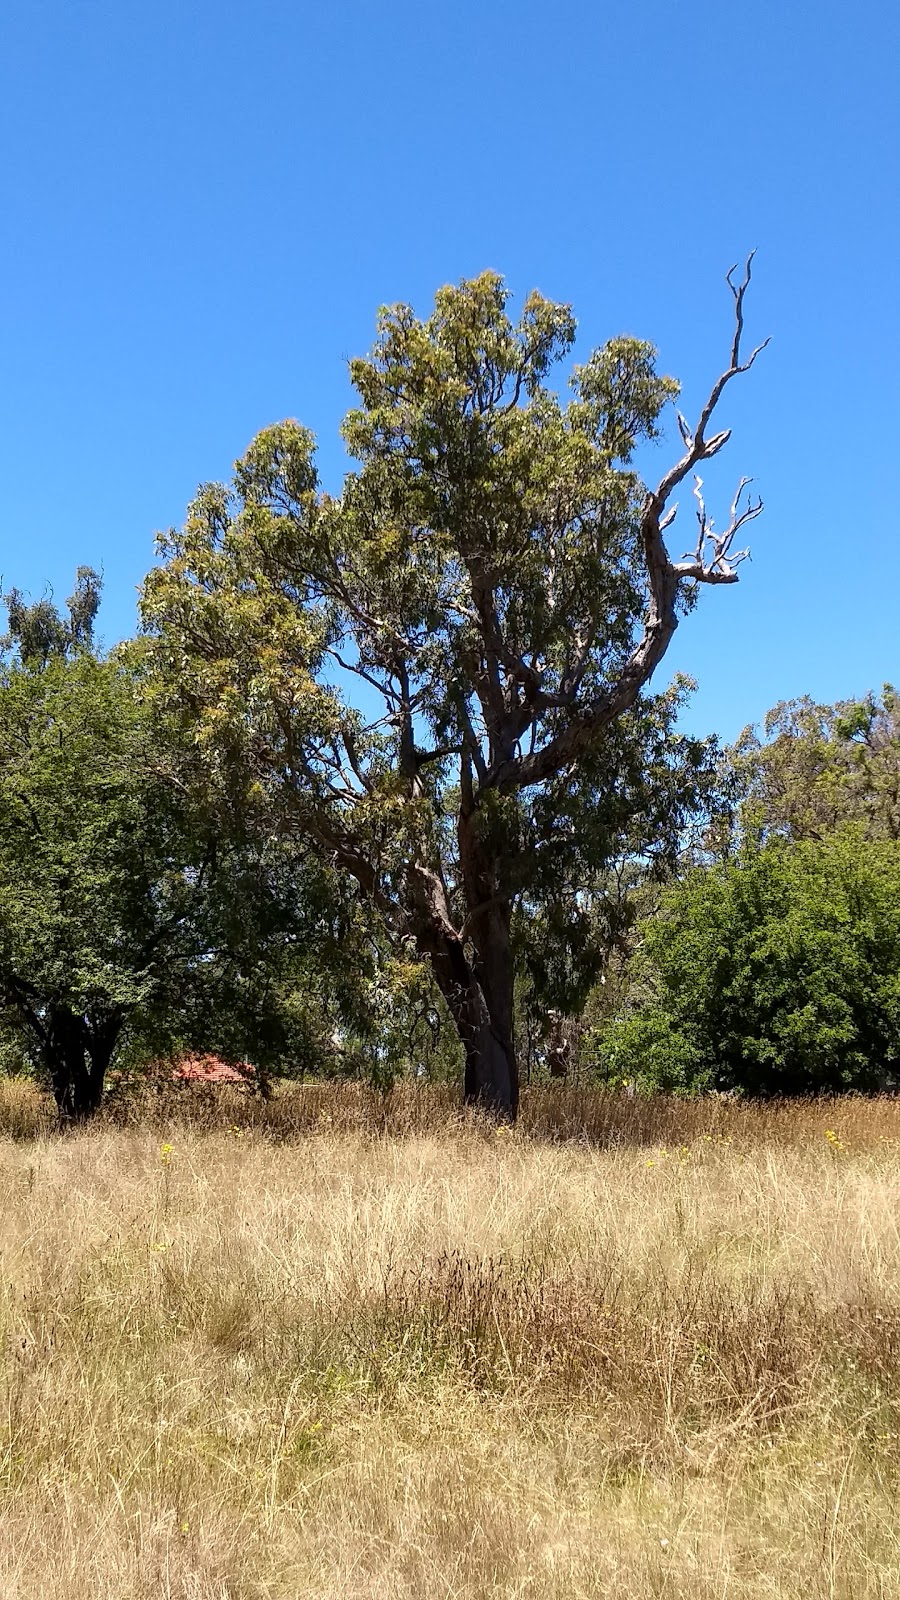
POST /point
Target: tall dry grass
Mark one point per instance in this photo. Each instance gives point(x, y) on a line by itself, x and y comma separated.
point(346, 1345)
point(597, 1116)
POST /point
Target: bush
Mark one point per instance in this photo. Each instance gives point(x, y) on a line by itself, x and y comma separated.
point(776, 973)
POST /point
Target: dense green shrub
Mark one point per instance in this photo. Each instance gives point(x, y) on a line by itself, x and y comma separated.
point(775, 973)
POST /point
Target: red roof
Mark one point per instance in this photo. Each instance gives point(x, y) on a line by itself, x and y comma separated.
point(211, 1069)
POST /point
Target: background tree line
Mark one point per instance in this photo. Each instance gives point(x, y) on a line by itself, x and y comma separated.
point(382, 786)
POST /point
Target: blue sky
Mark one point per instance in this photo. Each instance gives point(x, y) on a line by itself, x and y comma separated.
point(204, 204)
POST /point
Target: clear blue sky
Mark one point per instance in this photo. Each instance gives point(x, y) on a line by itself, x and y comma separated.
point(204, 203)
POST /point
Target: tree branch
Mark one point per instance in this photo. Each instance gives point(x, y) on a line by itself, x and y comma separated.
point(697, 447)
point(387, 693)
point(712, 562)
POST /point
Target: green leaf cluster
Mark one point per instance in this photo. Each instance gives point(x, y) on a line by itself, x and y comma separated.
point(135, 919)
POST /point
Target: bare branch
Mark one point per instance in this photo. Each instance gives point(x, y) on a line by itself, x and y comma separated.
point(570, 682)
point(471, 741)
point(481, 910)
point(424, 758)
point(350, 746)
point(713, 560)
point(697, 447)
point(384, 689)
point(739, 290)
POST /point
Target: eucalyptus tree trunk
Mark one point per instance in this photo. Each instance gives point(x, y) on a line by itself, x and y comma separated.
point(492, 1076)
point(474, 969)
point(478, 989)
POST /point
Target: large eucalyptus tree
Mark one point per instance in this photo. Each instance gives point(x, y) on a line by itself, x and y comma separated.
point(495, 582)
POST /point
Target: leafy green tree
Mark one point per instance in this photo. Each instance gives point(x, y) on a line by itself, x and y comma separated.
point(38, 631)
point(273, 963)
point(818, 766)
point(131, 920)
point(774, 973)
point(92, 885)
point(434, 677)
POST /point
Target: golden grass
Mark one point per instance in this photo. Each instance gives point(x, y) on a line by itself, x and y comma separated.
point(341, 1346)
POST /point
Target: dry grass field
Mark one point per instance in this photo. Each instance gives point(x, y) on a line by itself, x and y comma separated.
point(340, 1346)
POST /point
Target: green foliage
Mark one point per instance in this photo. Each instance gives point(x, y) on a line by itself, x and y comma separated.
point(39, 631)
point(775, 973)
point(133, 920)
point(817, 767)
point(601, 842)
point(91, 873)
point(77, 832)
point(419, 679)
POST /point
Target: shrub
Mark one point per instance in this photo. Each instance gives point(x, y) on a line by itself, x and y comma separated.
point(776, 973)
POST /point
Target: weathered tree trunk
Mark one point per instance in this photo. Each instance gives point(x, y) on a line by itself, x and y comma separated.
point(492, 1076)
point(479, 997)
point(491, 1073)
point(78, 1056)
point(474, 971)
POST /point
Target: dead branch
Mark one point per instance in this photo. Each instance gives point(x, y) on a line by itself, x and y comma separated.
point(697, 447)
point(713, 560)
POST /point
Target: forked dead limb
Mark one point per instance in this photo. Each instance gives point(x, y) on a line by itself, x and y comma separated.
point(713, 559)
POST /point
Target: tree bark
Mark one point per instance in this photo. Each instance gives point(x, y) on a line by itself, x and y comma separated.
point(78, 1056)
point(479, 996)
point(474, 971)
point(492, 1075)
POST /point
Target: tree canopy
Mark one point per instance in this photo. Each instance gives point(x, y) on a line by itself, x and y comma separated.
point(37, 630)
point(439, 678)
point(92, 862)
point(817, 766)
